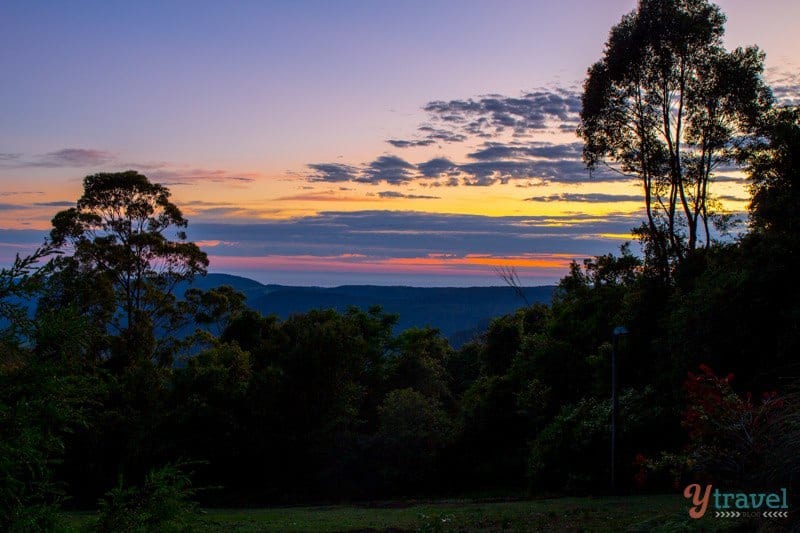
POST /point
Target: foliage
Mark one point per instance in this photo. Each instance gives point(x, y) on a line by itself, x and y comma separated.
point(162, 503)
point(412, 431)
point(666, 105)
point(22, 280)
point(29, 496)
point(773, 164)
point(578, 434)
point(571, 452)
point(212, 392)
point(217, 306)
point(500, 405)
point(417, 360)
point(118, 237)
point(45, 395)
point(295, 401)
point(731, 438)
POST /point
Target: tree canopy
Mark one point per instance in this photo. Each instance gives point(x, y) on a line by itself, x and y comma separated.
point(119, 234)
point(774, 168)
point(668, 104)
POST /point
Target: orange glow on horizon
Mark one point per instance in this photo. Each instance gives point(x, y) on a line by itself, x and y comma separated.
point(541, 264)
point(543, 261)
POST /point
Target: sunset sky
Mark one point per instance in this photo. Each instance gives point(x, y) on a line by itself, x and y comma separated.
point(337, 142)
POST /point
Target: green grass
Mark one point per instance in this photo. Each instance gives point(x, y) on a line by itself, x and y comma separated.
point(637, 513)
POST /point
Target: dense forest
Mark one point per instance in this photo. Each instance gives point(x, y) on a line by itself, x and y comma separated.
point(101, 404)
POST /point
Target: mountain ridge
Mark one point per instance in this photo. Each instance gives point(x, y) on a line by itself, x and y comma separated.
point(458, 312)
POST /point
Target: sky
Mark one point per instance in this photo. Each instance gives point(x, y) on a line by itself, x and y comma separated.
point(325, 143)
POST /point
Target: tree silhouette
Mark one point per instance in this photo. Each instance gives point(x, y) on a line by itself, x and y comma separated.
point(667, 104)
point(774, 168)
point(118, 234)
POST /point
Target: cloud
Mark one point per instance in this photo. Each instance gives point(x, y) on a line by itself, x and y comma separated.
point(399, 143)
point(491, 115)
point(785, 86)
point(733, 198)
point(16, 207)
point(161, 172)
point(395, 194)
point(729, 179)
point(437, 167)
point(544, 161)
point(555, 171)
point(787, 95)
point(78, 157)
point(204, 203)
point(223, 211)
point(74, 157)
point(19, 193)
point(400, 239)
point(490, 120)
point(179, 176)
point(57, 203)
point(493, 151)
point(549, 150)
point(499, 170)
point(501, 128)
point(586, 197)
point(320, 196)
point(64, 158)
point(494, 162)
point(332, 172)
point(388, 169)
point(411, 234)
point(530, 183)
point(443, 135)
point(215, 243)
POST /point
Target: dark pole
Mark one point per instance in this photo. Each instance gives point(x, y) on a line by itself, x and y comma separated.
point(619, 330)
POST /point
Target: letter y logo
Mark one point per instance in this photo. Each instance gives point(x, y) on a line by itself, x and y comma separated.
point(700, 503)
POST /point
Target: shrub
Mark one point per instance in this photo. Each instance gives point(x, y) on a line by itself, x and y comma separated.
point(412, 432)
point(738, 440)
point(162, 503)
point(572, 452)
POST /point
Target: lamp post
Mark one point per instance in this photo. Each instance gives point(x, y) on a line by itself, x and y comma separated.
point(616, 334)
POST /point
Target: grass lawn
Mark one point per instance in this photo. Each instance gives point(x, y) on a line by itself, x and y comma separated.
point(635, 513)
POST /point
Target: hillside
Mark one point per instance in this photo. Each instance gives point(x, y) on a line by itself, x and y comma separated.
point(459, 312)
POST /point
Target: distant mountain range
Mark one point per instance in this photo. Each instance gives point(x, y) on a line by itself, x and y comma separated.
point(459, 313)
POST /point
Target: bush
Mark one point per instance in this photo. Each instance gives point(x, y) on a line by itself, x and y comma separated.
point(162, 503)
point(572, 452)
point(412, 432)
point(739, 441)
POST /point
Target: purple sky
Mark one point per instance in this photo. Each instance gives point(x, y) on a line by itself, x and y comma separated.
point(271, 122)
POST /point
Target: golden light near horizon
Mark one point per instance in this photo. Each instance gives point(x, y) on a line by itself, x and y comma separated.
point(291, 133)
